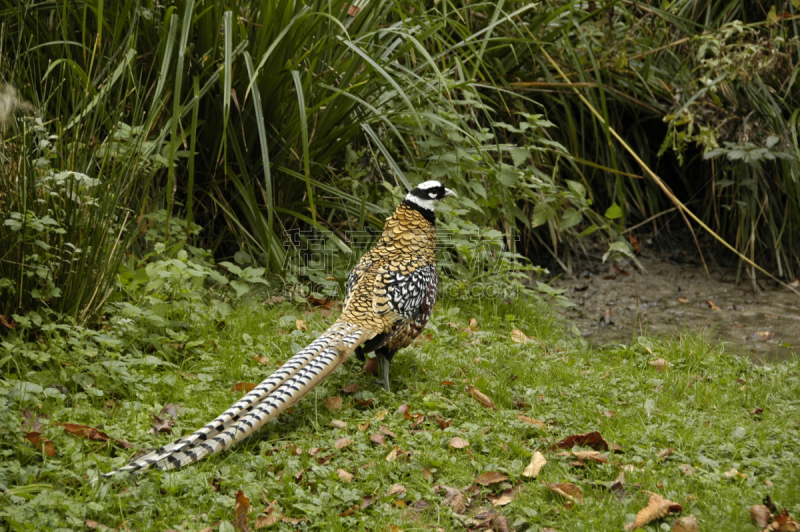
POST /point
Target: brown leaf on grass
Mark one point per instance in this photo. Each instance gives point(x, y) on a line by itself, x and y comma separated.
point(377, 439)
point(783, 523)
point(593, 439)
point(397, 454)
point(351, 388)
point(31, 421)
point(683, 300)
point(537, 463)
point(447, 383)
point(161, 425)
point(686, 469)
point(659, 364)
point(338, 424)
point(91, 433)
point(41, 443)
point(568, 490)
point(350, 511)
point(384, 429)
point(371, 366)
point(301, 325)
point(363, 403)
point(268, 517)
point(760, 515)
point(453, 498)
point(657, 507)
point(492, 477)
point(240, 510)
point(362, 428)
point(761, 336)
point(665, 453)
point(333, 403)
point(532, 421)
point(458, 443)
point(8, 323)
point(344, 476)
point(713, 306)
point(395, 490)
point(341, 443)
point(507, 496)
point(261, 360)
point(473, 323)
point(294, 521)
point(243, 387)
point(521, 338)
point(686, 524)
point(274, 300)
point(480, 397)
point(402, 409)
point(757, 411)
point(94, 525)
point(427, 475)
point(325, 302)
point(591, 456)
point(171, 409)
point(366, 501)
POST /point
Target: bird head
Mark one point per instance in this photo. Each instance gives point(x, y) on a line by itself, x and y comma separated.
point(426, 194)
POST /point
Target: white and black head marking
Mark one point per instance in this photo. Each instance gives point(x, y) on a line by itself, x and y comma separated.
point(425, 195)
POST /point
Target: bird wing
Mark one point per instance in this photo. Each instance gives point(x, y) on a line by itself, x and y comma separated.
point(401, 288)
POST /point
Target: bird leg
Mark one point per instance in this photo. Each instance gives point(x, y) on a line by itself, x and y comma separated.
point(383, 363)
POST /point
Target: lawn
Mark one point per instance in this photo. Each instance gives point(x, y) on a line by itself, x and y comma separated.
point(703, 428)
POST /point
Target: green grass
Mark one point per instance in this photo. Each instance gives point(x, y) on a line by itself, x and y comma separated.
point(115, 378)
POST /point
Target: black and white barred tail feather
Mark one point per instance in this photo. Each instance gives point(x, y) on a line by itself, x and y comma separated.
point(274, 395)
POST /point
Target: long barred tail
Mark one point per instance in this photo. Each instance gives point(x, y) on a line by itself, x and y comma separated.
point(279, 391)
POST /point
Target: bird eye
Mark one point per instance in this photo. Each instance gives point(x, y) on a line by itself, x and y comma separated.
point(432, 195)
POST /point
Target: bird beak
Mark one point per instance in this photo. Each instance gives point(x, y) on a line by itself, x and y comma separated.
point(448, 192)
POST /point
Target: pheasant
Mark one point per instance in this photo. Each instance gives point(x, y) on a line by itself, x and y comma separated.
point(390, 297)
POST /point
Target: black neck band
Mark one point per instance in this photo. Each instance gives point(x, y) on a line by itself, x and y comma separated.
point(426, 213)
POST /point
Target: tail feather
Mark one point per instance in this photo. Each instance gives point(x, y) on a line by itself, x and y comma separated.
point(274, 395)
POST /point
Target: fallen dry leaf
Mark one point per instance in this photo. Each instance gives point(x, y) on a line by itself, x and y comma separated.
point(384, 429)
point(657, 508)
point(568, 490)
point(532, 421)
point(268, 517)
point(301, 325)
point(362, 428)
point(783, 522)
point(686, 524)
point(453, 498)
point(593, 439)
point(240, 510)
point(94, 525)
point(338, 424)
point(665, 453)
point(686, 469)
point(507, 496)
point(761, 336)
point(274, 300)
point(757, 411)
point(341, 443)
point(91, 433)
point(377, 439)
point(473, 323)
point(593, 456)
point(41, 443)
point(537, 463)
point(161, 425)
point(371, 366)
point(402, 409)
point(492, 477)
point(261, 360)
point(520, 337)
point(712, 305)
point(344, 475)
point(458, 443)
point(333, 403)
point(351, 388)
point(396, 489)
point(480, 397)
point(243, 387)
point(683, 300)
point(760, 515)
point(171, 409)
point(659, 364)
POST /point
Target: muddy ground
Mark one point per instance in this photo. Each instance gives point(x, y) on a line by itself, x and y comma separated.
point(674, 294)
